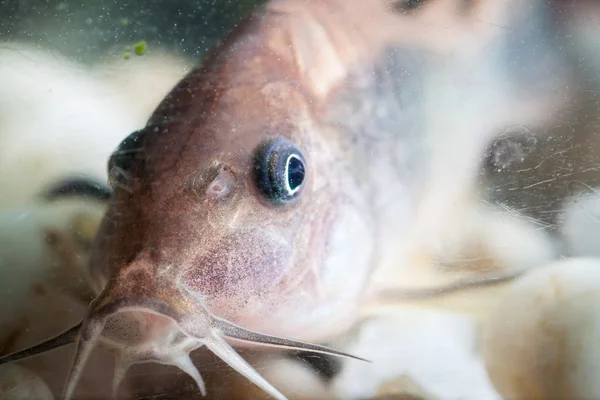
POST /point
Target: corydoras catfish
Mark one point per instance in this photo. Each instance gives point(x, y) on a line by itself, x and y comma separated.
point(274, 180)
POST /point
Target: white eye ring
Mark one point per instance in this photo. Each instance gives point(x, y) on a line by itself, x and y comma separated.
point(279, 170)
point(286, 176)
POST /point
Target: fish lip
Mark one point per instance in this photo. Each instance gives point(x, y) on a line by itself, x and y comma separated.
point(214, 333)
point(124, 304)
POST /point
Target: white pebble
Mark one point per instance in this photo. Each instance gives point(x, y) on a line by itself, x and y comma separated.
point(541, 341)
point(19, 383)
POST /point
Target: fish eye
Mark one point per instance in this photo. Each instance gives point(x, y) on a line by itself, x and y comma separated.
point(127, 150)
point(122, 158)
point(279, 170)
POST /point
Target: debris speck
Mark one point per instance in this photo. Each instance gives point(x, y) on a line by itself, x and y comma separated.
point(140, 48)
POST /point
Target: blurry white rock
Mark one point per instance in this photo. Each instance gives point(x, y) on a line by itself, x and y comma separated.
point(19, 383)
point(473, 241)
point(580, 226)
point(59, 118)
point(542, 341)
point(294, 379)
point(434, 349)
point(488, 238)
point(427, 354)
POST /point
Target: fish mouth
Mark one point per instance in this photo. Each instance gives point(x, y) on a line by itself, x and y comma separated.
point(185, 326)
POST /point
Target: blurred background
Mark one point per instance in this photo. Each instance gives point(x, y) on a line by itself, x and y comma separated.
point(93, 30)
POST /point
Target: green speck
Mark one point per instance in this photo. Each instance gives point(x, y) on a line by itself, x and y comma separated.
point(127, 48)
point(140, 48)
point(126, 56)
point(124, 22)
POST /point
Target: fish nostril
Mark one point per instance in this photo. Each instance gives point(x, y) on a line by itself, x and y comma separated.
point(222, 185)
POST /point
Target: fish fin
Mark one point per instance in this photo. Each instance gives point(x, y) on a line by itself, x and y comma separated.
point(67, 337)
point(236, 332)
point(225, 352)
point(86, 341)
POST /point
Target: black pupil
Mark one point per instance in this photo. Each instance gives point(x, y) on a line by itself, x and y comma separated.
point(295, 172)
